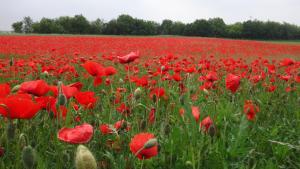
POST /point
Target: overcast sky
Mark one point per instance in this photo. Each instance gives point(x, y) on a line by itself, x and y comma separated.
point(157, 10)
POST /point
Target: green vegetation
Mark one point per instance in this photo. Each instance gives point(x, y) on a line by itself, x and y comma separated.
point(127, 25)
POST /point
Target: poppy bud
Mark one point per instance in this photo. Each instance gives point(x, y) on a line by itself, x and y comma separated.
point(65, 156)
point(29, 157)
point(45, 74)
point(188, 163)
point(181, 100)
point(154, 99)
point(15, 88)
point(10, 131)
point(212, 130)
point(61, 100)
point(121, 81)
point(2, 151)
point(11, 62)
point(137, 93)
point(206, 91)
point(84, 158)
point(22, 140)
point(162, 68)
point(150, 143)
point(143, 125)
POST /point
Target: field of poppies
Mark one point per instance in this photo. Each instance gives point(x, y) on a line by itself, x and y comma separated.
point(148, 102)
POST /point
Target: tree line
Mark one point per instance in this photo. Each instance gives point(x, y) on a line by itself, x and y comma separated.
point(127, 25)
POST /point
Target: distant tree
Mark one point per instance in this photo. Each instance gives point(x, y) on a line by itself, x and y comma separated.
point(79, 25)
point(66, 23)
point(253, 29)
point(218, 27)
point(125, 24)
point(49, 26)
point(199, 28)
point(111, 28)
point(18, 27)
point(234, 30)
point(177, 28)
point(27, 21)
point(166, 27)
point(96, 27)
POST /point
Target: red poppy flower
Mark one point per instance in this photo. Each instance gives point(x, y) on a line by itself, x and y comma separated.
point(110, 71)
point(232, 82)
point(151, 117)
point(177, 77)
point(123, 109)
point(129, 57)
point(119, 124)
point(211, 76)
point(86, 99)
point(37, 87)
point(4, 90)
point(137, 144)
point(181, 111)
point(286, 62)
point(93, 68)
point(250, 109)
point(18, 107)
point(69, 91)
point(196, 112)
point(158, 92)
point(206, 123)
point(77, 135)
point(105, 129)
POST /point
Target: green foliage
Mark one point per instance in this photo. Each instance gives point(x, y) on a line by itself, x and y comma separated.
point(127, 25)
point(18, 27)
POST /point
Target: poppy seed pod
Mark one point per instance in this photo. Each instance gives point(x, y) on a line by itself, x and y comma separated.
point(84, 158)
point(137, 93)
point(29, 157)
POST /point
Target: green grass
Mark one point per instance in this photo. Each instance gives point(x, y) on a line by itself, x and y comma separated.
point(237, 144)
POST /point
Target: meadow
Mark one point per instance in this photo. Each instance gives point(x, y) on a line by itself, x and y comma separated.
point(148, 102)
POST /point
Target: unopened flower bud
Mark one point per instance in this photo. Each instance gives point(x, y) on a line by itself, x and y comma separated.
point(84, 158)
point(45, 73)
point(206, 91)
point(10, 131)
point(150, 143)
point(181, 100)
point(2, 151)
point(15, 88)
point(11, 62)
point(29, 157)
point(137, 93)
point(212, 130)
point(61, 100)
point(121, 81)
point(162, 68)
point(22, 140)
